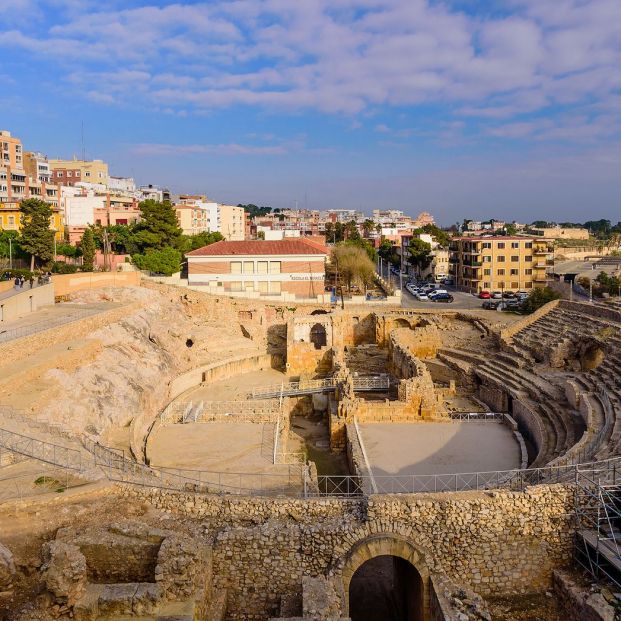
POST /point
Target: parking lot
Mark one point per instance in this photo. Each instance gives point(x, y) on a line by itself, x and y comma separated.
point(461, 300)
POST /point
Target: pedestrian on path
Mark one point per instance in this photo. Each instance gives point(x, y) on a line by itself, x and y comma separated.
point(31, 281)
point(22, 280)
point(17, 282)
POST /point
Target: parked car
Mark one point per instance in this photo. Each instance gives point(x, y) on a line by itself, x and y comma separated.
point(490, 304)
point(447, 281)
point(485, 295)
point(437, 292)
point(513, 304)
point(422, 296)
point(375, 296)
point(447, 298)
point(496, 295)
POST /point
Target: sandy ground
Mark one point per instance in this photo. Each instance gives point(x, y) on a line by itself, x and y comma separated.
point(236, 388)
point(224, 449)
point(439, 448)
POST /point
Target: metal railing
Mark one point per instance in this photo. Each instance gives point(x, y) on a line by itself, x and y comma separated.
point(477, 416)
point(212, 411)
point(40, 326)
point(41, 450)
point(307, 387)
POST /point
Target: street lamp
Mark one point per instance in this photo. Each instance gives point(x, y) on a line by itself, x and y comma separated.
point(10, 254)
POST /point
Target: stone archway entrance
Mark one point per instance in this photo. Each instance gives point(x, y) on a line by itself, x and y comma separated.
point(400, 573)
point(386, 588)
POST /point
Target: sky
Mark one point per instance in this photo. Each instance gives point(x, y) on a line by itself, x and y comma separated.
point(463, 108)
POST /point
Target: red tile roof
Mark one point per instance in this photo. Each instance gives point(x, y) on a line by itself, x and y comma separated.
point(260, 247)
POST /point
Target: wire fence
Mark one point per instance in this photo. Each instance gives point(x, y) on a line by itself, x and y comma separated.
point(40, 326)
point(305, 387)
point(260, 411)
point(477, 416)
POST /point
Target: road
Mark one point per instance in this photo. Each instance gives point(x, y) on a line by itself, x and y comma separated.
point(462, 300)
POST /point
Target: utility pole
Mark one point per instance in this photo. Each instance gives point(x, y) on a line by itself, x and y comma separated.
point(10, 254)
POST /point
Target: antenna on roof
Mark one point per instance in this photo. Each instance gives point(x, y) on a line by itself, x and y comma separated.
point(83, 150)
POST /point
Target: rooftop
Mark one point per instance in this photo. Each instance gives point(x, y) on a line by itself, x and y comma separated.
point(260, 247)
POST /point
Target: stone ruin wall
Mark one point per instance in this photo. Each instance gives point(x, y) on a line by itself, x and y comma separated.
point(494, 542)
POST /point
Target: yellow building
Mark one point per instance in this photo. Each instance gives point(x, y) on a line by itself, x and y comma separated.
point(232, 223)
point(500, 263)
point(70, 172)
point(11, 219)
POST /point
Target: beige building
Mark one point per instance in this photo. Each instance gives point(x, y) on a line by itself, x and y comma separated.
point(37, 167)
point(70, 172)
point(11, 153)
point(500, 263)
point(232, 223)
point(193, 218)
point(560, 233)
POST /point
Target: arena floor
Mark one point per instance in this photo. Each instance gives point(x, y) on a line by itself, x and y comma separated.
point(439, 448)
point(242, 452)
point(236, 388)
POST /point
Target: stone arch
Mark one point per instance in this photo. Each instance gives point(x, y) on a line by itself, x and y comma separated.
point(401, 322)
point(318, 336)
point(381, 544)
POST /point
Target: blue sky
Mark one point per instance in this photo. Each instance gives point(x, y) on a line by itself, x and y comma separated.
point(465, 108)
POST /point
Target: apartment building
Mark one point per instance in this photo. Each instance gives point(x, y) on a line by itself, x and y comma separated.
point(232, 222)
point(291, 268)
point(198, 217)
point(16, 184)
point(500, 263)
point(70, 172)
point(37, 167)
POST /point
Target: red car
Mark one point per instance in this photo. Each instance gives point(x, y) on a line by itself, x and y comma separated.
point(485, 295)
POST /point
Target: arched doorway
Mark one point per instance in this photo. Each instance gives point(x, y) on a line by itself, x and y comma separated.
point(318, 336)
point(386, 588)
point(402, 323)
point(401, 569)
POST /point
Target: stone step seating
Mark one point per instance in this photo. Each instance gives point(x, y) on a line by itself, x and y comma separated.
point(605, 427)
point(460, 359)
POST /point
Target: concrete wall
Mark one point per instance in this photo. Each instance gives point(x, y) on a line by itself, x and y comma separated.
point(25, 302)
point(65, 284)
point(497, 543)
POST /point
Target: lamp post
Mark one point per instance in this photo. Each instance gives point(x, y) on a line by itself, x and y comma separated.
point(10, 253)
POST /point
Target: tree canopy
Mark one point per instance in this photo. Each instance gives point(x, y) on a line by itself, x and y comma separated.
point(353, 264)
point(157, 228)
point(88, 250)
point(166, 261)
point(253, 210)
point(419, 254)
point(538, 297)
point(37, 238)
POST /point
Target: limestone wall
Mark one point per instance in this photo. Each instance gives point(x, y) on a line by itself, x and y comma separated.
point(509, 331)
point(422, 342)
point(497, 542)
point(66, 284)
point(25, 302)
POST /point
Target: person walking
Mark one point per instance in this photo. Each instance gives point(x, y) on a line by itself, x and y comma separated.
point(22, 280)
point(31, 281)
point(17, 282)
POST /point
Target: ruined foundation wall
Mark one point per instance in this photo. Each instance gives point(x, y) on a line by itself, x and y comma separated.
point(496, 542)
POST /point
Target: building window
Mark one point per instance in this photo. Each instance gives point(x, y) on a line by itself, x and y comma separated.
point(528, 258)
point(487, 259)
point(487, 272)
point(236, 267)
point(59, 173)
point(515, 285)
point(275, 267)
point(515, 244)
point(501, 245)
point(249, 286)
point(515, 272)
point(501, 272)
point(236, 285)
point(486, 285)
point(87, 174)
point(528, 244)
point(275, 286)
point(529, 285)
point(262, 267)
point(501, 258)
point(263, 286)
point(515, 258)
point(487, 245)
point(11, 220)
point(528, 272)
point(248, 267)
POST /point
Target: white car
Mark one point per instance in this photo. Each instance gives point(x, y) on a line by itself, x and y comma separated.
point(436, 292)
point(422, 296)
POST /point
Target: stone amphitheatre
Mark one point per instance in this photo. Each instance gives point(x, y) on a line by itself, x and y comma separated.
point(167, 454)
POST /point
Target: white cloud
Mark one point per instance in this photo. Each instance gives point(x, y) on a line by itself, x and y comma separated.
point(346, 58)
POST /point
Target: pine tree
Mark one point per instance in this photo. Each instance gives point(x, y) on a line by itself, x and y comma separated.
point(88, 250)
point(37, 236)
point(158, 227)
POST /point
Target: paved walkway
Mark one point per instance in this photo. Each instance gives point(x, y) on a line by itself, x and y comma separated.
point(13, 291)
point(50, 317)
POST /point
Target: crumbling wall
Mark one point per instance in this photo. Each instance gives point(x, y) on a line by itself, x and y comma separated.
point(265, 546)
